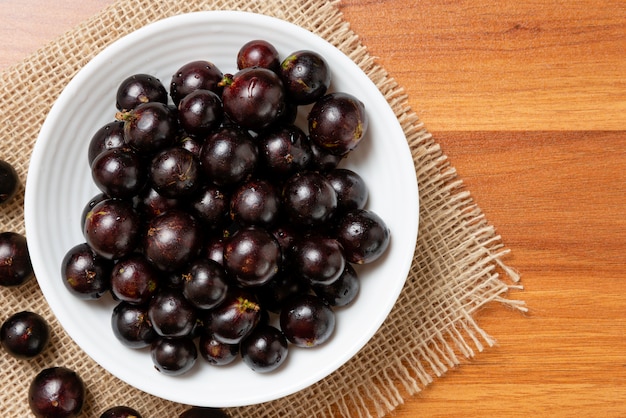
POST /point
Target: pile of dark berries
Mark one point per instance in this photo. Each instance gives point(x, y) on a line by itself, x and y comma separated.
point(54, 391)
point(221, 228)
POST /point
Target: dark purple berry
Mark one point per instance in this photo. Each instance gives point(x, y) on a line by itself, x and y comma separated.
point(318, 259)
point(119, 172)
point(284, 150)
point(134, 279)
point(200, 112)
point(235, 317)
point(210, 206)
point(323, 160)
point(255, 202)
point(112, 228)
point(56, 392)
point(138, 89)
point(131, 325)
point(214, 249)
point(342, 291)
point(352, 192)
point(204, 283)
point(282, 286)
point(363, 235)
point(120, 412)
point(24, 334)
point(192, 143)
point(175, 172)
point(253, 98)
point(149, 127)
point(174, 356)
point(258, 53)
point(109, 136)
point(171, 314)
point(264, 349)
point(15, 264)
point(92, 202)
point(151, 203)
point(216, 352)
point(307, 321)
point(172, 240)
point(195, 75)
point(306, 76)
point(228, 156)
point(252, 256)
point(84, 273)
point(337, 123)
point(9, 181)
point(309, 198)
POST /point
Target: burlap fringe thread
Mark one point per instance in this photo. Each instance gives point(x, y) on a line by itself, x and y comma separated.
point(457, 269)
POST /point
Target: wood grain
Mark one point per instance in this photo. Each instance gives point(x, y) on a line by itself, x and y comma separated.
point(557, 200)
point(528, 100)
point(26, 26)
point(527, 65)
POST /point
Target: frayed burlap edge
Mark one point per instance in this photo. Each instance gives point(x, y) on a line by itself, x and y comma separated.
point(458, 265)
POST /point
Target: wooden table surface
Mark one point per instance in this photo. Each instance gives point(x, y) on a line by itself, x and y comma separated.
point(528, 100)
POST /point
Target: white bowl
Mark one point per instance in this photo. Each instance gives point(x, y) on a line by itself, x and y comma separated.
point(59, 184)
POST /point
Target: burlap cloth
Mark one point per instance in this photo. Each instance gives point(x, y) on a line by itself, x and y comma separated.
point(457, 267)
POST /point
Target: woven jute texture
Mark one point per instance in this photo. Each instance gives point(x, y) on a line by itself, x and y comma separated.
point(457, 269)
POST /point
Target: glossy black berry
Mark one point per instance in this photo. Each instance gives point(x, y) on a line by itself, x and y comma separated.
point(265, 349)
point(318, 258)
point(134, 279)
point(172, 239)
point(216, 352)
point(24, 334)
point(363, 235)
point(85, 273)
point(338, 122)
point(171, 314)
point(131, 325)
point(252, 256)
point(200, 412)
point(306, 76)
point(309, 199)
point(205, 283)
point(119, 172)
point(283, 151)
point(149, 127)
point(228, 156)
point(138, 89)
point(235, 317)
point(56, 392)
point(255, 202)
point(351, 189)
point(307, 321)
point(258, 53)
point(15, 264)
point(150, 203)
point(254, 98)
point(9, 181)
point(112, 228)
point(342, 291)
point(195, 75)
point(110, 135)
point(200, 112)
point(174, 356)
point(210, 206)
point(120, 412)
point(175, 172)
